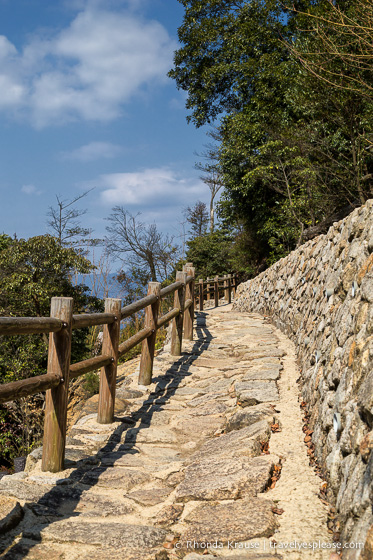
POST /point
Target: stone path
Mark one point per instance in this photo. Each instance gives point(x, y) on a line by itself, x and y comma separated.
point(189, 468)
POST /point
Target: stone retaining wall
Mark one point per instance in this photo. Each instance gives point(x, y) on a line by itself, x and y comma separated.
point(321, 296)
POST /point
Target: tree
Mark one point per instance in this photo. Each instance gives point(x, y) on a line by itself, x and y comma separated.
point(211, 171)
point(231, 63)
point(64, 223)
point(334, 45)
point(210, 253)
point(140, 246)
point(344, 48)
point(197, 216)
point(228, 47)
point(32, 271)
point(294, 151)
point(36, 269)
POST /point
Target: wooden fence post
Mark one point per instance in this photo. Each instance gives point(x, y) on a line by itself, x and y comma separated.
point(234, 284)
point(189, 314)
point(148, 345)
point(108, 375)
point(229, 282)
point(59, 355)
point(226, 289)
point(177, 322)
point(201, 294)
point(208, 290)
point(216, 291)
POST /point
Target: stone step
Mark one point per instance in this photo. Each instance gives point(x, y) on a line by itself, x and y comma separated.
point(183, 461)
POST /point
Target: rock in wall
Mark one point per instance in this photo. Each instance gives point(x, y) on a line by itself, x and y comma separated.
point(321, 296)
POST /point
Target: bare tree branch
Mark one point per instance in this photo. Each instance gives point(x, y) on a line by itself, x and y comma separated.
point(139, 245)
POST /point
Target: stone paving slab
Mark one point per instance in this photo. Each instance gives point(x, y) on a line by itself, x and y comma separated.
point(11, 514)
point(186, 459)
point(109, 535)
point(225, 478)
point(239, 521)
point(250, 393)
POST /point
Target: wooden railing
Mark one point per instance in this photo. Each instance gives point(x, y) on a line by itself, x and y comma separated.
point(212, 288)
point(62, 322)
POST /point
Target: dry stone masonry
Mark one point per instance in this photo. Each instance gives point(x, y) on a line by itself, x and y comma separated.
point(190, 463)
point(321, 296)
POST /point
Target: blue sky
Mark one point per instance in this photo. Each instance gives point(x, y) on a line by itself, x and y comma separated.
point(85, 102)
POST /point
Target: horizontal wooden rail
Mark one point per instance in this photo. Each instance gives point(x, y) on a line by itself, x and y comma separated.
point(60, 370)
point(29, 325)
point(134, 340)
point(92, 319)
point(89, 365)
point(167, 317)
point(171, 288)
point(206, 282)
point(27, 387)
point(138, 306)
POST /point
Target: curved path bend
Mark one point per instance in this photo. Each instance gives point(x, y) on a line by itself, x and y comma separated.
point(209, 460)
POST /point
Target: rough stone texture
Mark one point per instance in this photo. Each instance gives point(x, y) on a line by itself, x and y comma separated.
point(250, 393)
point(221, 478)
point(11, 514)
point(246, 441)
point(310, 295)
point(151, 496)
point(249, 416)
point(115, 535)
point(32, 551)
point(113, 477)
point(367, 553)
point(249, 556)
point(184, 459)
point(85, 507)
point(238, 521)
point(169, 514)
point(22, 490)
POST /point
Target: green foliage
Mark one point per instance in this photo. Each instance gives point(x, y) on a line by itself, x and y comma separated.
point(294, 149)
point(91, 383)
point(210, 253)
point(226, 45)
point(198, 218)
point(32, 271)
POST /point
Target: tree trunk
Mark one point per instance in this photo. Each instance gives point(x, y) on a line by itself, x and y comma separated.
point(212, 214)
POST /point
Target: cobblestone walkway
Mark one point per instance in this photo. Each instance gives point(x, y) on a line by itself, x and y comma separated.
point(190, 467)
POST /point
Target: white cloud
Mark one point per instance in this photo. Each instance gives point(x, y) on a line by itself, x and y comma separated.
point(94, 151)
point(149, 188)
point(88, 70)
point(30, 190)
point(12, 91)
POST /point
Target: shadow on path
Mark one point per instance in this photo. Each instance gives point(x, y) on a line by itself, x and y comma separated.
point(47, 509)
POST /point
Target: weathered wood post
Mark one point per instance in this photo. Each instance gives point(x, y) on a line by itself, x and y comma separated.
point(234, 284)
point(229, 282)
point(177, 322)
point(225, 285)
point(148, 345)
point(216, 291)
point(208, 290)
point(189, 313)
point(59, 355)
point(200, 294)
point(108, 376)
